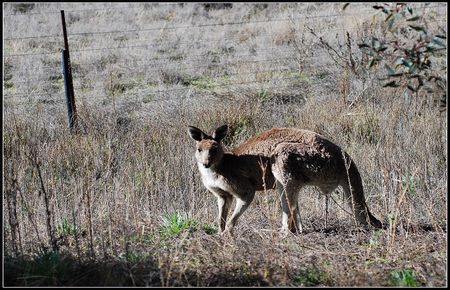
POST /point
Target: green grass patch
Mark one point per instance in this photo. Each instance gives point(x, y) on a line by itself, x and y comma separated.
point(404, 277)
point(134, 256)
point(237, 128)
point(206, 83)
point(66, 228)
point(374, 240)
point(175, 223)
point(209, 229)
point(8, 85)
point(46, 268)
point(311, 277)
point(411, 183)
point(263, 95)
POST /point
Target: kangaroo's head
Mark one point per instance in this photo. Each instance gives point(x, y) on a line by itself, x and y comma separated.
point(209, 151)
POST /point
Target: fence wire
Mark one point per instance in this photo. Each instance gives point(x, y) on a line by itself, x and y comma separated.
point(149, 65)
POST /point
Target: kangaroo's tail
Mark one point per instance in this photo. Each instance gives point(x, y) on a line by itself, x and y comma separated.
point(354, 192)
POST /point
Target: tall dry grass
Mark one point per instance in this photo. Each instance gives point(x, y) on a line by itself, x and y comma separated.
point(116, 179)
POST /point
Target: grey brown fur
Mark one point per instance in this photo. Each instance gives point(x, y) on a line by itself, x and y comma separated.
point(282, 158)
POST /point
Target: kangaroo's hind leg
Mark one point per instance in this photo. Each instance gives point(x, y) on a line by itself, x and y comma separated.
point(289, 180)
point(291, 220)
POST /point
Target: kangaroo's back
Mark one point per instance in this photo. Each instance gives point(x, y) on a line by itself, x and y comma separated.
point(266, 142)
point(309, 149)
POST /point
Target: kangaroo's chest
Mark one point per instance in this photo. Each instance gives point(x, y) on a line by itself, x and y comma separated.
point(212, 180)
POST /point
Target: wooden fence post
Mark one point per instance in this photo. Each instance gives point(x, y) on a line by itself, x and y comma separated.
point(65, 67)
point(68, 82)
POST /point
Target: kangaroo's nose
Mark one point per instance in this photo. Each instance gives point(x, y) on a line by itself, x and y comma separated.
point(207, 164)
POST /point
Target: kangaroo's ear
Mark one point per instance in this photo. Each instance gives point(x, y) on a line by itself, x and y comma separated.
point(220, 133)
point(196, 133)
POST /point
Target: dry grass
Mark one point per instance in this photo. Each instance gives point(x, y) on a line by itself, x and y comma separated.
point(94, 208)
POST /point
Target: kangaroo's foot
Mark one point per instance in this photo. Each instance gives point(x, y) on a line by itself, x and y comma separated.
point(228, 231)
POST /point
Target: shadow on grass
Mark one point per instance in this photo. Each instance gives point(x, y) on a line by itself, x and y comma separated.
point(57, 269)
point(144, 268)
point(344, 228)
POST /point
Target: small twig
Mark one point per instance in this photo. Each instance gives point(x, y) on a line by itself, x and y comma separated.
point(11, 199)
point(88, 210)
point(330, 48)
point(29, 212)
point(350, 55)
point(35, 162)
point(343, 209)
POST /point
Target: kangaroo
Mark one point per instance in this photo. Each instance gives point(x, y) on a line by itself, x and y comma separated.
point(283, 158)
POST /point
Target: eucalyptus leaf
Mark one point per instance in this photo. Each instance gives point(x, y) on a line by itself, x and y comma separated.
point(438, 42)
point(413, 18)
point(418, 28)
point(406, 63)
point(389, 69)
point(412, 69)
point(390, 22)
point(392, 84)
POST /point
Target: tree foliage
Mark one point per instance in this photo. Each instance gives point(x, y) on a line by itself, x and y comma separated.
point(412, 49)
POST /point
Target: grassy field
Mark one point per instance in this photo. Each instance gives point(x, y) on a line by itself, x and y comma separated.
point(121, 203)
